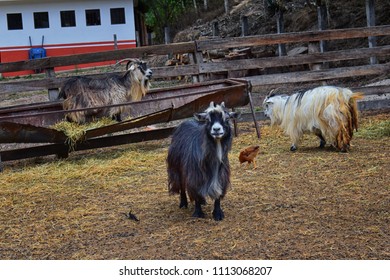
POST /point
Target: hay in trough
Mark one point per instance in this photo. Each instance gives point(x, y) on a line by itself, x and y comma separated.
point(76, 132)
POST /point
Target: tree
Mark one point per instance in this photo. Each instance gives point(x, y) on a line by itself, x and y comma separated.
point(163, 14)
point(227, 6)
point(195, 5)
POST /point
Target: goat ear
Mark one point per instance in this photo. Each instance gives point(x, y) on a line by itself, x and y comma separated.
point(268, 100)
point(201, 117)
point(234, 115)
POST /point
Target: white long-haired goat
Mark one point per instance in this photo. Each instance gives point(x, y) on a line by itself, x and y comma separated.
point(329, 112)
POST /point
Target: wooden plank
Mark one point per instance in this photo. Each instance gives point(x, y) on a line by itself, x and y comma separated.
point(373, 90)
point(363, 105)
point(367, 90)
point(31, 85)
point(366, 105)
point(62, 149)
point(294, 37)
point(54, 82)
point(267, 62)
point(319, 75)
point(174, 71)
point(51, 62)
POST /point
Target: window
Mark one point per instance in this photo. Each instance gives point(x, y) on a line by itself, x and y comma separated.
point(41, 20)
point(92, 17)
point(68, 18)
point(14, 21)
point(118, 16)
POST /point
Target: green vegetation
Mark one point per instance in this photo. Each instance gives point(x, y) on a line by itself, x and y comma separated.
point(174, 14)
point(375, 130)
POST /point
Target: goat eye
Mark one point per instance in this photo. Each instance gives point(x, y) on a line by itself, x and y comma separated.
point(143, 66)
point(141, 69)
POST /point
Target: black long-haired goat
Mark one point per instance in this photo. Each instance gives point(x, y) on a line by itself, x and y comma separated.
point(198, 159)
point(112, 89)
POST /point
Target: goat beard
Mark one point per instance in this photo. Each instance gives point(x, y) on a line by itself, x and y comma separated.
point(139, 88)
point(146, 85)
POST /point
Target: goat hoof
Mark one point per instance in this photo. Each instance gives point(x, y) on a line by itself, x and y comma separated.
point(117, 118)
point(183, 205)
point(322, 144)
point(218, 215)
point(293, 148)
point(198, 214)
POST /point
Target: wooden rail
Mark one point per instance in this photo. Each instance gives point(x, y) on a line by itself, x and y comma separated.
point(270, 62)
point(319, 75)
point(66, 60)
point(294, 37)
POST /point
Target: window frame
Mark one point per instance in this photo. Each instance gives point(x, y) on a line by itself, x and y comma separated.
point(119, 15)
point(38, 21)
point(68, 17)
point(20, 24)
point(89, 21)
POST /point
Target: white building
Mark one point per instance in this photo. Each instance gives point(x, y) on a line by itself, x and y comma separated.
point(64, 27)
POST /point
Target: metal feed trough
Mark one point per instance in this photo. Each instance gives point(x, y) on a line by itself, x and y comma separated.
point(30, 123)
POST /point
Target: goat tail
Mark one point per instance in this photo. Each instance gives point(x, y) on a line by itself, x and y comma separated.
point(353, 108)
point(174, 184)
point(350, 111)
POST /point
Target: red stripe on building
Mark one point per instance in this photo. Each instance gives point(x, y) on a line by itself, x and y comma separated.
point(11, 54)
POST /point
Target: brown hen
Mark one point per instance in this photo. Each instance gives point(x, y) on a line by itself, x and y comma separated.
point(248, 155)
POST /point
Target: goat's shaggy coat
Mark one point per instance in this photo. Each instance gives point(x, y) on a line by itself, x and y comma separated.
point(112, 89)
point(328, 112)
point(198, 159)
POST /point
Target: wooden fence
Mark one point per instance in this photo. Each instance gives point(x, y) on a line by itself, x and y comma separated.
point(202, 69)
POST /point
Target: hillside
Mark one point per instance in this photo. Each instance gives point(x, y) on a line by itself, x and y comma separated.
point(298, 17)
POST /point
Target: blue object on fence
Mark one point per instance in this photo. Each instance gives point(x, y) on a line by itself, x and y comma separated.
point(35, 53)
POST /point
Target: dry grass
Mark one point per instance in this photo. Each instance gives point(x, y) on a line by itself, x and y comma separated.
point(311, 204)
point(76, 132)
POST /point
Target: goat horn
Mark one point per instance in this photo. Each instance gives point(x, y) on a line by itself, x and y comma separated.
point(129, 60)
point(272, 92)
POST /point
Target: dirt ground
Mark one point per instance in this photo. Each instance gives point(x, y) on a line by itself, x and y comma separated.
point(311, 204)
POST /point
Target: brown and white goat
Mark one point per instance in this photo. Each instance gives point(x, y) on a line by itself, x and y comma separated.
point(198, 161)
point(112, 89)
point(329, 112)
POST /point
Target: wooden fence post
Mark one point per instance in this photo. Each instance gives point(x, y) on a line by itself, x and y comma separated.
point(322, 15)
point(280, 29)
point(116, 42)
point(370, 13)
point(322, 24)
point(167, 35)
point(215, 29)
point(244, 26)
point(52, 92)
point(1, 165)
